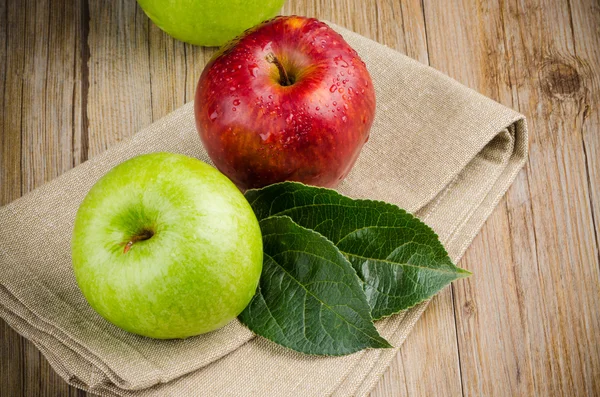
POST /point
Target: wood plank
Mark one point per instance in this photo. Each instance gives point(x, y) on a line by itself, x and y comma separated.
point(523, 329)
point(11, 70)
point(566, 248)
point(11, 362)
point(12, 99)
point(41, 130)
point(585, 17)
point(51, 81)
point(429, 356)
point(119, 101)
point(175, 68)
point(138, 73)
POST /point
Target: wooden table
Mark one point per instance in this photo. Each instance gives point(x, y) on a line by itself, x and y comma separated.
point(78, 76)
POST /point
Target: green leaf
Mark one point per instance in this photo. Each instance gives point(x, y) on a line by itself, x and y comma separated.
point(309, 298)
point(399, 259)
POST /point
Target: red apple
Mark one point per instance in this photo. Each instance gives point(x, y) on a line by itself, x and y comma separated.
point(287, 100)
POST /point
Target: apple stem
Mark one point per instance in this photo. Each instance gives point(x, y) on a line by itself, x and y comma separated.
point(284, 78)
point(145, 235)
point(128, 246)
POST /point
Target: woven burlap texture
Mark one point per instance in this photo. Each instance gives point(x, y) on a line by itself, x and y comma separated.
point(437, 149)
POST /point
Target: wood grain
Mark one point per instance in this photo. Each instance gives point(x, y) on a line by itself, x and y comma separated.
point(585, 18)
point(41, 130)
point(77, 77)
point(528, 320)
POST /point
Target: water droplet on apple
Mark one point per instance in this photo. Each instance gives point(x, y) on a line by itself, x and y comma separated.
point(265, 135)
point(339, 109)
point(344, 119)
point(345, 81)
point(232, 88)
point(213, 116)
point(253, 69)
point(270, 96)
point(317, 108)
point(239, 66)
point(289, 118)
point(332, 88)
point(362, 91)
point(236, 102)
point(334, 103)
point(234, 109)
point(341, 90)
point(346, 106)
point(339, 59)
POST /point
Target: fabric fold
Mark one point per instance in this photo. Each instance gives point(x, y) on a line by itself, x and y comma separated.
point(437, 149)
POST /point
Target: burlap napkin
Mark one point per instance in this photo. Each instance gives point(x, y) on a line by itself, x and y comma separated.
point(437, 149)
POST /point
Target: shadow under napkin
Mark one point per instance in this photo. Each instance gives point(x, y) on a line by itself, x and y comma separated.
point(437, 149)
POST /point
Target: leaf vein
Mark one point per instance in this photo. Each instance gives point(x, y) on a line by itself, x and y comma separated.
point(323, 303)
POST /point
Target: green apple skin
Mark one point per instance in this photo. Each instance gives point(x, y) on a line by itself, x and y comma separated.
point(208, 22)
point(197, 271)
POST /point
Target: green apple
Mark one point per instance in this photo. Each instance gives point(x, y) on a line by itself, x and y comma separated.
point(166, 246)
point(208, 22)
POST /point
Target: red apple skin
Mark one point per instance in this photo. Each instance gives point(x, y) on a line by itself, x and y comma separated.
point(258, 131)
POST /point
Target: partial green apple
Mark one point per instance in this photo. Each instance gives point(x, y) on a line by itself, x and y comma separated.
point(208, 22)
point(165, 246)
